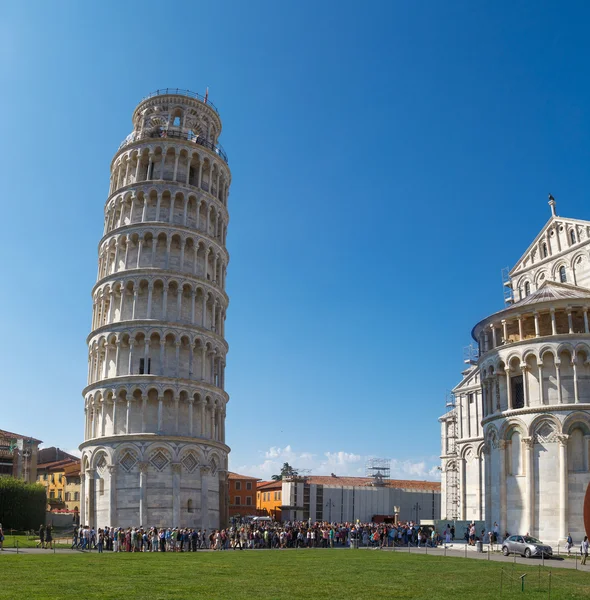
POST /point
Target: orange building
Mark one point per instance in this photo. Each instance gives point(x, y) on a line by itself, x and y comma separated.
point(268, 499)
point(242, 490)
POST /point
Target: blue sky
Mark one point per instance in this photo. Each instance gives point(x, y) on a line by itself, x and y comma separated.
point(388, 159)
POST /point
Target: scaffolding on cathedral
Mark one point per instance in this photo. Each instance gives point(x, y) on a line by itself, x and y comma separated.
point(451, 466)
point(507, 286)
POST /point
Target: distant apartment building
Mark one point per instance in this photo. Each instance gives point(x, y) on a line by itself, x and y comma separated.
point(242, 494)
point(18, 455)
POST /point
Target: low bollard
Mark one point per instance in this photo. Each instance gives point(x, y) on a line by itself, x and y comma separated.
point(522, 582)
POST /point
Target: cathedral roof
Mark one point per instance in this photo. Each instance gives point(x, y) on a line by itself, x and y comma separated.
point(552, 290)
point(549, 291)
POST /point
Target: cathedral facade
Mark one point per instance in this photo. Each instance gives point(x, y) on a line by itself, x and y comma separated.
point(525, 463)
point(154, 451)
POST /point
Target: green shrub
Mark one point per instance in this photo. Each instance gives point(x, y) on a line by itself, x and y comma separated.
point(22, 505)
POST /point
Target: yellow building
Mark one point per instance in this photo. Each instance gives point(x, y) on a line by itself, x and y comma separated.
point(61, 493)
point(268, 498)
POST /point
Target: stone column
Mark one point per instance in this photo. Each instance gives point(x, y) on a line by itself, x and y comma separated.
point(529, 497)
point(462, 483)
point(190, 416)
point(503, 507)
point(537, 330)
point(541, 393)
point(586, 330)
point(176, 494)
point(553, 323)
point(143, 411)
point(165, 302)
point(91, 506)
point(143, 472)
point(202, 424)
point(494, 338)
point(505, 331)
point(488, 487)
point(525, 384)
point(83, 516)
point(130, 364)
point(160, 409)
point(558, 373)
point(576, 388)
point(570, 323)
point(114, 415)
point(508, 387)
point(128, 416)
point(563, 486)
point(149, 302)
point(176, 413)
point(112, 518)
point(205, 471)
point(520, 329)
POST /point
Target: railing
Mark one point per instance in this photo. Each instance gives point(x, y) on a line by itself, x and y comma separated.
point(177, 134)
point(179, 92)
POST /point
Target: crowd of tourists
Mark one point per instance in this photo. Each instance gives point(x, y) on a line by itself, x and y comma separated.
point(268, 535)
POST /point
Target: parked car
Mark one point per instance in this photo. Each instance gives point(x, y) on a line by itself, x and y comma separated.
point(525, 546)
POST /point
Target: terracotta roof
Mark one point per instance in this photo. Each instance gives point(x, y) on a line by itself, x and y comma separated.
point(231, 475)
point(73, 468)
point(270, 485)
point(10, 434)
point(56, 464)
point(368, 481)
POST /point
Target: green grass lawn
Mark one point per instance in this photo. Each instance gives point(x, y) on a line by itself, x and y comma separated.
point(27, 541)
point(276, 574)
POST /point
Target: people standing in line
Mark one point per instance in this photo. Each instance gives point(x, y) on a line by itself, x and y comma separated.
point(584, 549)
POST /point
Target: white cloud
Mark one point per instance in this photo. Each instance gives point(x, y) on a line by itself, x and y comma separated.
point(338, 462)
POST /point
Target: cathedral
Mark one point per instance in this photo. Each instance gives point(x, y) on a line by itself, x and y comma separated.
point(516, 435)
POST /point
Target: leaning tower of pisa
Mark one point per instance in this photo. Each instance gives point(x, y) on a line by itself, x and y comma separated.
point(154, 451)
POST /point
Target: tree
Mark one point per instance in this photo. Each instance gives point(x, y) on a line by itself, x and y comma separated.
point(22, 505)
point(286, 471)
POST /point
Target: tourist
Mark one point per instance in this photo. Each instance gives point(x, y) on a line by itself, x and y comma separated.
point(584, 549)
point(569, 543)
point(41, 541)
point(48, 537)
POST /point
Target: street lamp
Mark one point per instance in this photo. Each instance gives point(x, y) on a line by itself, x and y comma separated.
point(417, 508)
point(329, 504)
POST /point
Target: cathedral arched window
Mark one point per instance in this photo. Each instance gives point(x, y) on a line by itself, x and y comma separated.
point(527, 289)
point(562, 274)
point(544, 250)
point(573, 236)
point(189, 506)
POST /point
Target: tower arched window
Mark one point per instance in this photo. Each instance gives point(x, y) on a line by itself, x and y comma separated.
point(527, 289)
point(573, 236)
point(544, 250)
point(562, 274)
